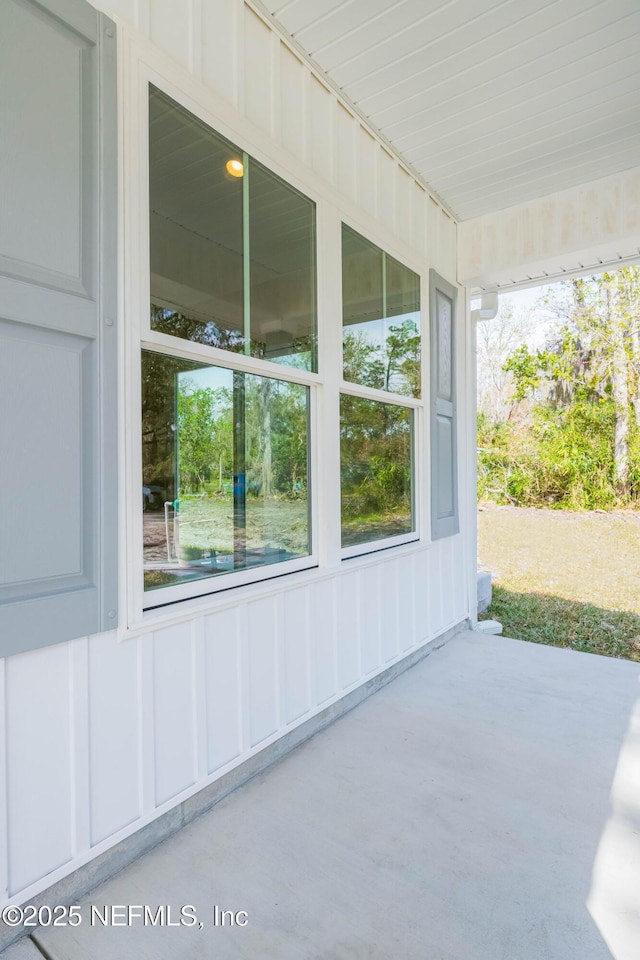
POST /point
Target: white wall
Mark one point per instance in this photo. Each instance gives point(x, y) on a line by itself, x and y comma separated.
point(105, 733)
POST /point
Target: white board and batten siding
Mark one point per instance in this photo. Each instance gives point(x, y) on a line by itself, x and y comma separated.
point(102, 734)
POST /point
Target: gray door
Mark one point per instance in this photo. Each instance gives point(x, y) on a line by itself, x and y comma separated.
point(57, 323)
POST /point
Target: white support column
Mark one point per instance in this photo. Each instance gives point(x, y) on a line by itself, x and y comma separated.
point(472, 317)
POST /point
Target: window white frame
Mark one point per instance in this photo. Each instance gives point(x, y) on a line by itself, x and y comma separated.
point(418, 439)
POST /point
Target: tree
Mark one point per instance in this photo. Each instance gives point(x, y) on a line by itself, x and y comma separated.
point(604, 317)
point(391, 365)
point(496, 340)
point(196, 430)
point(585, 385)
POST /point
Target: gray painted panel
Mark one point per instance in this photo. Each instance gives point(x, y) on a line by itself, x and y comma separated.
point(58, 570)
point(445, 371)
point(42, 306)
point(41, 176)
point(445, 506)
point(41, 480)
point(444, 471)
point(42, 621)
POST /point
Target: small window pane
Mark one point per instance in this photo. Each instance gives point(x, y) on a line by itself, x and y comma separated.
point(195, 213)
point(225, 470)
point(283, 283)
point(375, 469)
point(381, 318)
point(232, 246)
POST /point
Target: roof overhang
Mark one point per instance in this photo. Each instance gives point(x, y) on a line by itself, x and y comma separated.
point(492, 102)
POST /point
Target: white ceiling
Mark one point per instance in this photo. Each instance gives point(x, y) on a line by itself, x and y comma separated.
point(492, 102)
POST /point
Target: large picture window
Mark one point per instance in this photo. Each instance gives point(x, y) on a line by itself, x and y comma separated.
point(225, 447)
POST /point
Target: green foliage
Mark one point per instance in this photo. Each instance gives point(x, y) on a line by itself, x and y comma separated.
point(197, 427)
point(575, 454)
point(393, 365)
point(524, 367)
point(375, 460)
point(576, 444)
point(561, 458)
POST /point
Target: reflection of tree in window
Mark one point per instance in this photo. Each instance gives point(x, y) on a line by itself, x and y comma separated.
point(381, 318)
point(375, 456)
point(393, 367)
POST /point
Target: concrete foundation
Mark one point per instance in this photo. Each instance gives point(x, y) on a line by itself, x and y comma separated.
point(484, 591)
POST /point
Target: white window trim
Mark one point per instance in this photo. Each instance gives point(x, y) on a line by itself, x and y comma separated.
point(375, 546)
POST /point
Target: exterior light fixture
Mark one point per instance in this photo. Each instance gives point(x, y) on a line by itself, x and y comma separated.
point(235, 168)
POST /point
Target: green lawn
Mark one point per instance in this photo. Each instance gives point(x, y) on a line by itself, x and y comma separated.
point(566, 579)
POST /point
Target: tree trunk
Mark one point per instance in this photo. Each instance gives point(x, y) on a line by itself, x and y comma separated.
point(620, 385)
point(635, 341)
point(265, 435)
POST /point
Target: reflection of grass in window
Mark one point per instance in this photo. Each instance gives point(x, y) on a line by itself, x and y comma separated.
point(207, 524)
point(361, 526)
point(379, 506)
point(159, 578)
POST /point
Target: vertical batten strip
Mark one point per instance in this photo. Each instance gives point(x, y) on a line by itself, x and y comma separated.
point(307, 640)
point(143, 16)
point(277, 607)
point(279, 628)
point(335, 634)
point(238, 66)
point(79, 747)
point(306, 115)
point(274, 85)
point(379, 600)
point(244, 698)
point(199, 700)
point(195, 37)
point(240, 653)
point(357, 582)
point(146, 724)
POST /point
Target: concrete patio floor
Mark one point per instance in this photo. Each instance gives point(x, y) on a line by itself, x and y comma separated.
point(485, 805)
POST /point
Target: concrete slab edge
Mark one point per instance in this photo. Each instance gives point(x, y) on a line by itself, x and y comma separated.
point(104, 867)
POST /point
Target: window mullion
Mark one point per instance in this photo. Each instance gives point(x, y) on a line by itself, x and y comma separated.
point(246, 257)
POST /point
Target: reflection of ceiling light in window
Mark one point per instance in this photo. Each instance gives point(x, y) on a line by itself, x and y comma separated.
point(235, 168)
